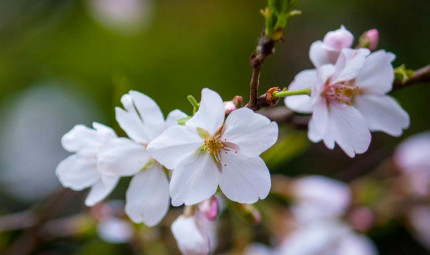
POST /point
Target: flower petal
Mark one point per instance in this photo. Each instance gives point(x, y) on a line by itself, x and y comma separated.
point(251, 132)
point(320, 54)
point(173, 117)
point(194, 180)
point(174, 145)
point(101, 190)
point(148, 197)
point(80, 138)
point(190, 239)
point(210, 115)
point(382, 113)
point(77, 172)
point(349, 64)
point(377, 74)
point(244, 179)
point(302, 103)
point(348, 128)
point(122, 157)
point(130, 122)
point(150, 113)
point(339, 39)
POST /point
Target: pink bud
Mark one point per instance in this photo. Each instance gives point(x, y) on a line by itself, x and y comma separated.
point(369, 39)
point(210, 208)
point(229, 107)
point(339, 39)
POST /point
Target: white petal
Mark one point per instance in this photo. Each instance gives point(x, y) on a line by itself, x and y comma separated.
point(244, 179)
point(339, 39)
point(324, 73)
point(79, 138)
point(101, 190)
point(377, 74)
point(251, 132)
point(382, 113)
point(354, 244)
point(320, 54)
point(349, 129)
point(122, 157)
point(210, 115)
point(130, 122)
point(174, 145)
point(148, 197)
point(349, 64)
point(173, 117)
point(319, 124)
point(150, 113)
point(304, 79)
point(191, 240)
point(104, 131)
point(413, 154)
point(115, 230)
point(77, 172)
point(195, 180)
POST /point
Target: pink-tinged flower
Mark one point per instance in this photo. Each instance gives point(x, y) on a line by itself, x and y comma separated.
point(147, 198)
point(419, 218)
point(207, 152)
point(100, 159)
point(348, 100)
point(319, 198)
point(328, 50)
point(412, 157)
point(326, 237)
point(195, 235)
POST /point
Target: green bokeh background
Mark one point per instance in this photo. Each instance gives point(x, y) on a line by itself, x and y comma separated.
point(191, 44)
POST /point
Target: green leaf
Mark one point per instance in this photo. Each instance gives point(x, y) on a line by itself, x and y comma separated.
point(276, 15)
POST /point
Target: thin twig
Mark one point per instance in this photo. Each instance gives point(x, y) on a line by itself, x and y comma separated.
point(421, 75)
point(265, 48)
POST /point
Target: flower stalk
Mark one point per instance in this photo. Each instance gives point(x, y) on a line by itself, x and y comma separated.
point(286, 93)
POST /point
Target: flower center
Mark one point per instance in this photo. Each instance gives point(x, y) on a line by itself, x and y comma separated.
point(342, 92)
point(213, 145)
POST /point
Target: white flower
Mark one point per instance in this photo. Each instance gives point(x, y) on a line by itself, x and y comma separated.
point(419, 217)
point(319, 198)
point(326, 238)
point(195, 235)
point(328, 50)
point(206, 153)
point(96, 162)
point(348, 100)
point(115, 230)
point(147, 198)
point(412, 157)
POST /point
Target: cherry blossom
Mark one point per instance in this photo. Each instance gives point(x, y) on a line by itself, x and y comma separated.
point(319, 198)
point(326, 238)
point(207, 152)
point(147, 197)
point(100, 159)
point(412, 157)
point(348, 100)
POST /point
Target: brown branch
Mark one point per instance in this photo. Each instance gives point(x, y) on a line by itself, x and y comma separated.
point(265, 48)
point(421, 75)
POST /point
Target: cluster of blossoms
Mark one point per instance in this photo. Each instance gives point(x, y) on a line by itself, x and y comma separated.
point(207, 151)
point(348, 94)
point(186, 159)
point(319, 206)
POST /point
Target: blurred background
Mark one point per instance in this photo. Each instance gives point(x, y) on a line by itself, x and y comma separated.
point(64, 62)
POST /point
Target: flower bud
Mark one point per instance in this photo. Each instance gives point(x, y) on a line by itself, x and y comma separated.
point(210, 208)
point(229, 107)
point(369, 39)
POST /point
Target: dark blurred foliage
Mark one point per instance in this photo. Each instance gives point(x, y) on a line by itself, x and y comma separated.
point(204, 43)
